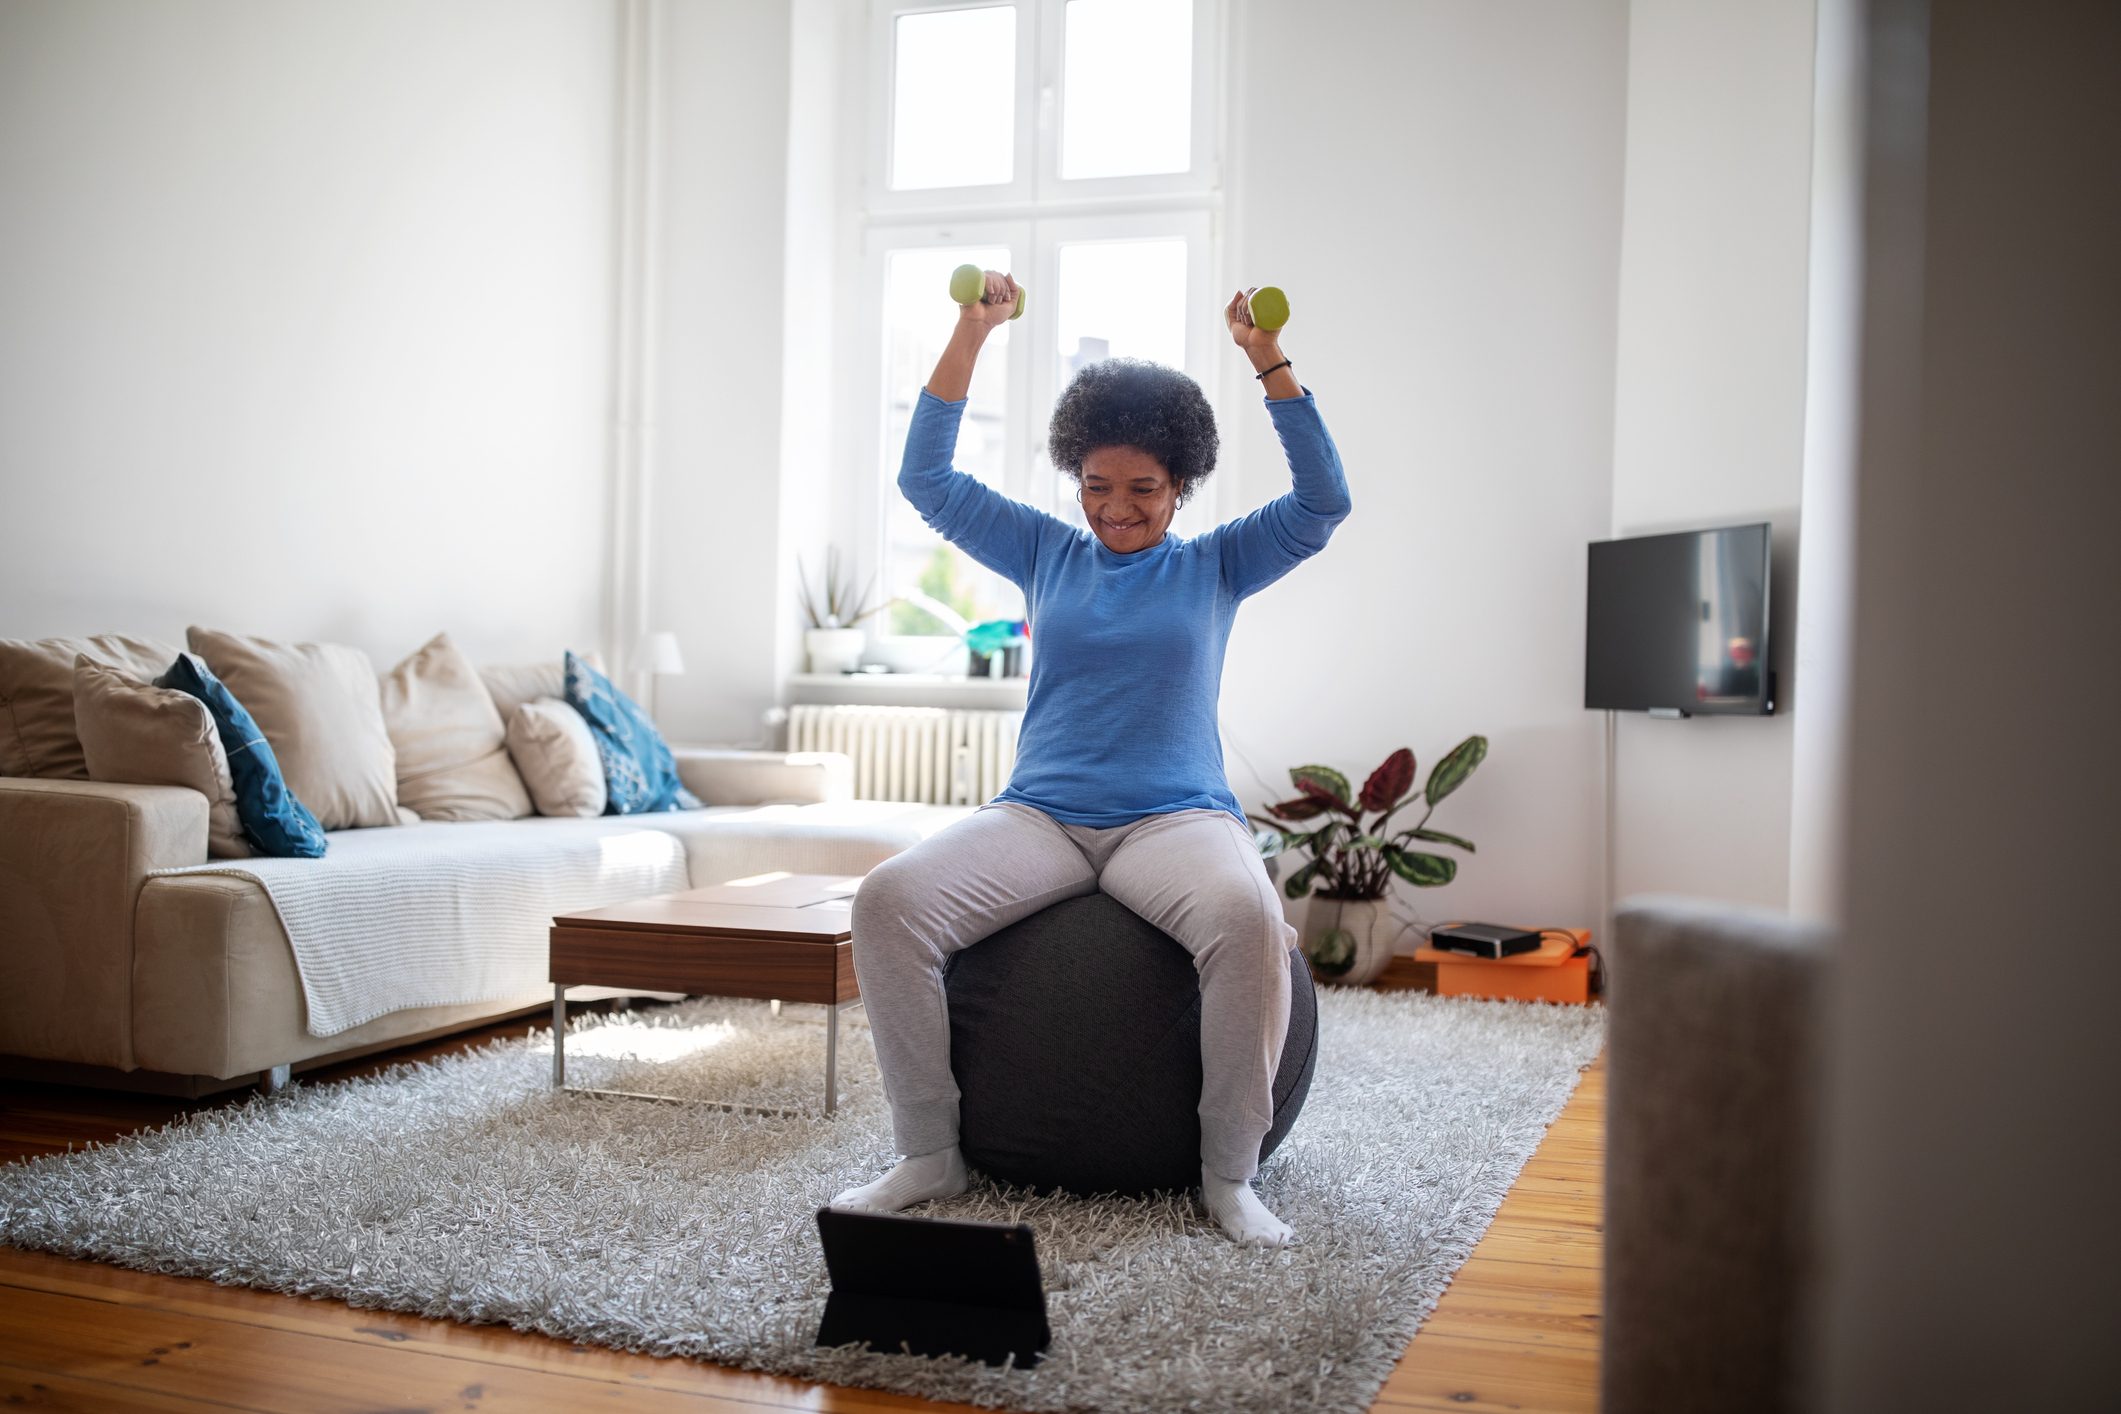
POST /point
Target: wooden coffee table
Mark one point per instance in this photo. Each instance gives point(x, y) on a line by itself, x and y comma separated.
point(778, 937)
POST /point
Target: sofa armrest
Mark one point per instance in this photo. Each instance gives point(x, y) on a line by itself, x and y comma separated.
point(1711, 1104)
point(731, 776)
point(73, 855)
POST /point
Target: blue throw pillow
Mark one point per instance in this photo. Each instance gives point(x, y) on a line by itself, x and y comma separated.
point(640, 774)
point(639, 768)
point(273, 821)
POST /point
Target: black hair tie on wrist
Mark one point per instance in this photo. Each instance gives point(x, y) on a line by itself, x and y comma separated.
point(1285, 363)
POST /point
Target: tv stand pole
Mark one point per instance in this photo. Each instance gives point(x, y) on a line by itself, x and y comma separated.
point(1605, 902)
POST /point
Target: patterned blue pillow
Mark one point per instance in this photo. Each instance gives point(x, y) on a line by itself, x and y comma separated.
point(273, 821)
point(640, 774)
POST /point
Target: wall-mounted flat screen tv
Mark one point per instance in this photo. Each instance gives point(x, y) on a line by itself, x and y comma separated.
point(1678, 624)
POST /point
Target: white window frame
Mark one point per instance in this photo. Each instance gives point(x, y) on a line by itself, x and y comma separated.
point(1035, 178)
point(1033, 214)
point(1196, 229)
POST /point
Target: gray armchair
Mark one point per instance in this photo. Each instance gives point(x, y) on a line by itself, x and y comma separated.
point(1712, 1098)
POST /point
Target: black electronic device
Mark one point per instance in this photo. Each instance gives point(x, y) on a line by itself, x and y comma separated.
point(1489, 940)
point(933, 1286)
point(1677, 625)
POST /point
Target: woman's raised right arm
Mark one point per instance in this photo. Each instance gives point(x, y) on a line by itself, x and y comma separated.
point(952, 378)
point(998, 531)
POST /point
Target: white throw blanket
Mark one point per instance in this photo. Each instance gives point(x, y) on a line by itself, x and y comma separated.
point(448, 914)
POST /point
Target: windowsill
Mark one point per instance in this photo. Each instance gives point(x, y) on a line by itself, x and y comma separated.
point(902, 677)
point(913, 681)
point(909, 689)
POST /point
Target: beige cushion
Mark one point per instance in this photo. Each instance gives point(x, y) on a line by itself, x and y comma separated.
point(451, 746)
point(134, 733)
point(37, 736)
point(513, 684)
point(725, 775)
point(320, 707)
point(842, 837)
point(558, 759)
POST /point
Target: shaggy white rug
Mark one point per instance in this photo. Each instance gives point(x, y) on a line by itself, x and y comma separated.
point(465, 1188)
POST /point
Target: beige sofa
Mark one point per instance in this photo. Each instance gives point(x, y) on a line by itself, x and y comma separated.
point(187, 984)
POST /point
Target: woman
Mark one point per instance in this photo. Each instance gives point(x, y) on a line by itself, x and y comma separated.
point(1119, 780)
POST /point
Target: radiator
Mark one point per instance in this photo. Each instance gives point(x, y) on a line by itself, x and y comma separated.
point(940, 755)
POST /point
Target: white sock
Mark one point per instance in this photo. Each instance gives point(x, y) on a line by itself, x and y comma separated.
point(914, 1180)
point(1232, 1203)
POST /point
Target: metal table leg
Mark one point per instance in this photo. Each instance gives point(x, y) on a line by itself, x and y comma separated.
point(559, 1036)
point(832, 1058)
point(832, 1066)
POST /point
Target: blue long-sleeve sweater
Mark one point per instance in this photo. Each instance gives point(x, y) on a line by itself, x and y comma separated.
point(1127, 650)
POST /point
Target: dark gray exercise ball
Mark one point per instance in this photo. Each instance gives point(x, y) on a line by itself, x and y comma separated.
point(1075, 1039)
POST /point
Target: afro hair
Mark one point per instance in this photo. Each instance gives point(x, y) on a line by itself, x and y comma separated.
point(1130, 402)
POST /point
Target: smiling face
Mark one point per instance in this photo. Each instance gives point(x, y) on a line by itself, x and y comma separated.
point(1128, 498)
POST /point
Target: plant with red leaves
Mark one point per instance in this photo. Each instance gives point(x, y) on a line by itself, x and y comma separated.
point(1351, 860)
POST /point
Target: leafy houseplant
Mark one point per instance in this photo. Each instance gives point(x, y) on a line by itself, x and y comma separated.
point(1353, 863)
point(832, 640)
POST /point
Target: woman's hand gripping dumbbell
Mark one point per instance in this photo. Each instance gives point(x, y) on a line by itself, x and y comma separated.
point(1255, 318)
point(986, 296)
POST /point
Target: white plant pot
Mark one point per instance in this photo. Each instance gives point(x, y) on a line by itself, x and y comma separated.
point(1372, 931)
point(834, 650)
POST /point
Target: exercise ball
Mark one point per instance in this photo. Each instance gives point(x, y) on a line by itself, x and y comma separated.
point(1075, 1040)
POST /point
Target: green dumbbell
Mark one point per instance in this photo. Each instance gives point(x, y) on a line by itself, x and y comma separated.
point(1270, 307)
point(968, 285)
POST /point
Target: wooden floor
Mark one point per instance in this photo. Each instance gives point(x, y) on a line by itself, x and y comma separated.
point(1516, 1330)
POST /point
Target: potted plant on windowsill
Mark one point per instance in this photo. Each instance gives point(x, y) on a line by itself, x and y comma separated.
point(832, 640)
point(1348, 932)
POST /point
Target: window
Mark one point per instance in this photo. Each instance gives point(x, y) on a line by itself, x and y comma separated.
point(1140, 48)
point(952, 107)
point(1074, 143)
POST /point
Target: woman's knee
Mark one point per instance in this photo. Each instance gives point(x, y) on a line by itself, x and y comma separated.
point(895, 904)
point(1250, 922)
point(881, 905)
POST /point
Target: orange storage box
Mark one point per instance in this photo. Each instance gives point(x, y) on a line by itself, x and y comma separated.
point(1555, 972)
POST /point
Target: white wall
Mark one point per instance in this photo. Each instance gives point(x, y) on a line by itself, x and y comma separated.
point(1709, 405)
point(822, 258)
point(306, 321)
point(1437, 185)
point(716, 498)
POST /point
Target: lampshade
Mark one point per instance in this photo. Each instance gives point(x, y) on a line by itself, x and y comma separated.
point(657, 652)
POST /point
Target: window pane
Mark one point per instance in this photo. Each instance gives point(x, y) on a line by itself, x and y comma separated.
point(918, 318)
point(953, 99)
point(1127, 88)
point(1117, 299)
point(1121, 299)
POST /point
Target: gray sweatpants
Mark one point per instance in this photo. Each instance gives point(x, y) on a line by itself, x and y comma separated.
point(1196, 874)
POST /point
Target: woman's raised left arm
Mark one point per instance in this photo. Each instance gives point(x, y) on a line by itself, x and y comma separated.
point(1262, 546)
